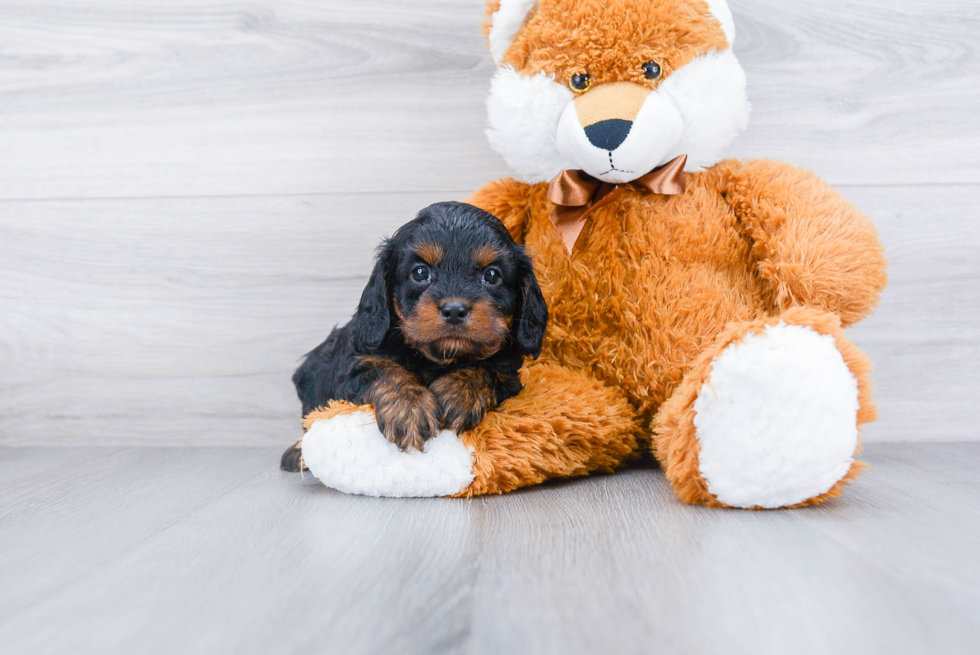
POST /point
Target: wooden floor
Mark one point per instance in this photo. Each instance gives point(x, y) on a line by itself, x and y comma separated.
point(182, 550)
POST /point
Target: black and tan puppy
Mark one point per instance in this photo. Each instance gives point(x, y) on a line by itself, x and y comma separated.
point(442, 329)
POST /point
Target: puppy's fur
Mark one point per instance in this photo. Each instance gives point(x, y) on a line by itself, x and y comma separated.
point(441, 331)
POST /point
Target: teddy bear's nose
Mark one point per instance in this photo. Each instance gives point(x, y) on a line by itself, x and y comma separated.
point(608, 134)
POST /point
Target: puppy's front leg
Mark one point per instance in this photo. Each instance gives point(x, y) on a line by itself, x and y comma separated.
point(407, 412)
point(464, 396)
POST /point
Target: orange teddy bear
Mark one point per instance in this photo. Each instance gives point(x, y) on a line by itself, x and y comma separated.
point(696, 305)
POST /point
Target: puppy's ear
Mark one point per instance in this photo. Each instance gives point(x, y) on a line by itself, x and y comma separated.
point(532, 316)
point(373, 316)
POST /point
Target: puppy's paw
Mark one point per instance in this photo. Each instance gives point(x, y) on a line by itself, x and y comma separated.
point(409, 418)
point(464, 397)
point(292, 459)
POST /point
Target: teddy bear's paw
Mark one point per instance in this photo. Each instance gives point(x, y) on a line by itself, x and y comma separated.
point(347, 452)
point(777, 420)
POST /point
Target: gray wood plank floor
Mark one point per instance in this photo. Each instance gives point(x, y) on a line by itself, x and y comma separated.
point(155, 550)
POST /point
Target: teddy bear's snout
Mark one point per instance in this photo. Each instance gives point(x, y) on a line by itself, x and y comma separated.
point(608, 134)
point(619, 131)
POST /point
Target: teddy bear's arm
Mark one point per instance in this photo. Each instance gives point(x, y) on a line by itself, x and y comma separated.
point(813, 247)
point(508, 200)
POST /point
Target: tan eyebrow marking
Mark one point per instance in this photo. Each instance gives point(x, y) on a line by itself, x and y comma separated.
point(430, 252)
point(486, 255)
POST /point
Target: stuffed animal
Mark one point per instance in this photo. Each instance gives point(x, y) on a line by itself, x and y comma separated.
point(696, 305)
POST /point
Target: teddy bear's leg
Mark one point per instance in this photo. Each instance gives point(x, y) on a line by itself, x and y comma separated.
point(768, 416)
point(563, 424)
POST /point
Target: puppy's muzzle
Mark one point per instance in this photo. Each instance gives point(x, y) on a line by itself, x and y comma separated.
point(454, 311)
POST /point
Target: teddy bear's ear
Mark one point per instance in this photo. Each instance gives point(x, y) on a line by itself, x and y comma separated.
point(719, 9)
point(507, 17)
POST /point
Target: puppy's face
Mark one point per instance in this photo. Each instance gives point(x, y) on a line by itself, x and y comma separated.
point(456, 292)
point(459, 287)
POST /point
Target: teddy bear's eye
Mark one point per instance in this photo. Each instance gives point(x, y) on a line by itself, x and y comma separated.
point(652, 70)
point(580, 82)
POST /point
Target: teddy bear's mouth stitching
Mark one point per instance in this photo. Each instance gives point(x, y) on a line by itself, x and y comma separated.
point(613, 168)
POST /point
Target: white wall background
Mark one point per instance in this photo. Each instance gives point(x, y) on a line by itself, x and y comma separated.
point(191, 191)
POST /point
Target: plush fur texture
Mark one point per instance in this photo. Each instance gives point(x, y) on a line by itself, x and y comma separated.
point(345, 450)
point(654, 280)
point(678, 447)
point(777, 418)
point(522, 123)
point(565, 424)
point(506, 20)
point(696, 107)
point(749, 275)
point(720, 11)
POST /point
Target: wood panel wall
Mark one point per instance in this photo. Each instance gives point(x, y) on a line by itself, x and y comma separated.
point(191, 191)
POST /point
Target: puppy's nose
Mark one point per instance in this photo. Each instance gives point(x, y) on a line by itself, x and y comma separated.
point(454, 312)
point(608, 134)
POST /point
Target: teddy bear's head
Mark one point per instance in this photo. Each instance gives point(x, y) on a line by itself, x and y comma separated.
point(615, 88)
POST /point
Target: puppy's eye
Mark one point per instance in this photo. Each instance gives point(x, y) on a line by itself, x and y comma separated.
point(580, 82)
point(421, 274)
point(652, 70)
point(491, 276)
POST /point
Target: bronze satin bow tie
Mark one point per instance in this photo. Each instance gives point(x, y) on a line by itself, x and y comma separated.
point(577, 194)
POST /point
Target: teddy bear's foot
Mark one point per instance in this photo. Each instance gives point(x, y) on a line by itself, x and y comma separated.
point(345, 450)
point(769, 416)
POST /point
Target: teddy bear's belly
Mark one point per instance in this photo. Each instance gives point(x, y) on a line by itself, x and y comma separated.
point(639, 322)
point(644, 337)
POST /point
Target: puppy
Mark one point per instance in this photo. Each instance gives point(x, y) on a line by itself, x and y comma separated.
point(440, 334)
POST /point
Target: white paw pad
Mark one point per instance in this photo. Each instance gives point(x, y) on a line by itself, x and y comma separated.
point(348, 453)
point(777, 419)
